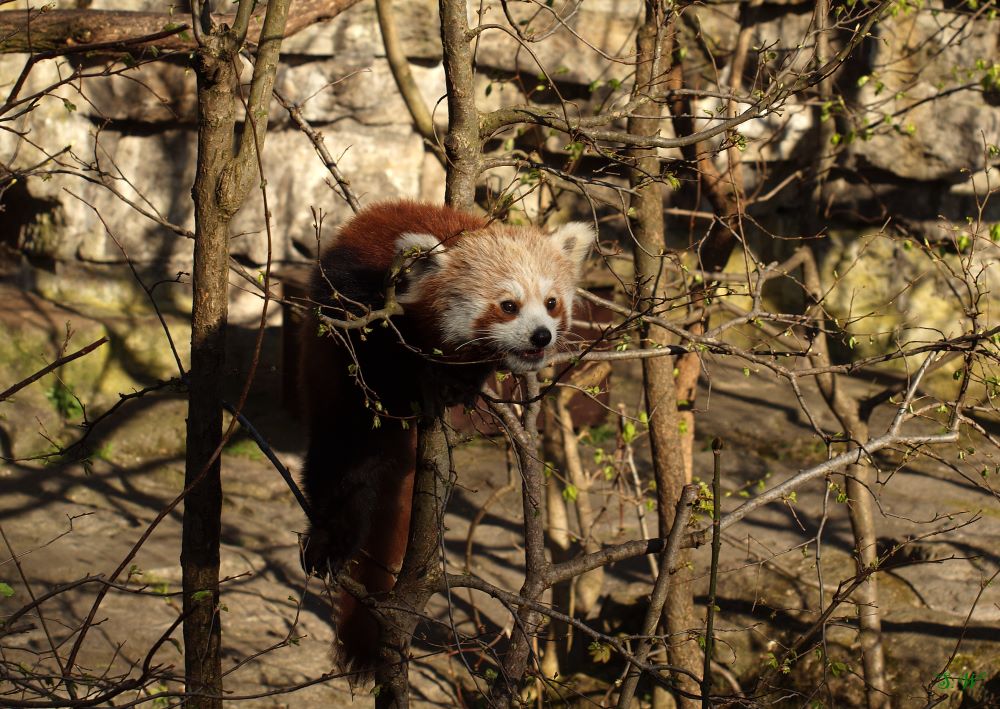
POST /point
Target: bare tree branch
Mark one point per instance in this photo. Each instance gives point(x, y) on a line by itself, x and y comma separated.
point(9, 392)
point(116, 31)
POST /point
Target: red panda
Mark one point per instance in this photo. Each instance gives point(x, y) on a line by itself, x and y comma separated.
point(477, 296)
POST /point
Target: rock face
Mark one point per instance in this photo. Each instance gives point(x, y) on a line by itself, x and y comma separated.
point(898, 291)
point(915, 121)
point(139, 127)
point(929, 130)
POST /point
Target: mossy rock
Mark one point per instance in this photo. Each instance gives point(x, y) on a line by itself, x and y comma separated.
point(37, 332)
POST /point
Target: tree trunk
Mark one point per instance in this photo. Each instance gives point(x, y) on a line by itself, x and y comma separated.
point(654, 43)
point(859, 485)
point(859, 492)
point(422, 567)
point(557, 538)
point(203, 504)
point(223, 180)
point(461, 145)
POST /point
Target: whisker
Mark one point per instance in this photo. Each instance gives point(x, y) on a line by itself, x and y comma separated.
point(474, 339)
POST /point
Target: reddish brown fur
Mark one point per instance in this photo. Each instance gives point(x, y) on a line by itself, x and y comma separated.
point(382, 553)
point(371, 240)
point(346, 451)
point(373, 237)
point(496, 314)
point(378, 564)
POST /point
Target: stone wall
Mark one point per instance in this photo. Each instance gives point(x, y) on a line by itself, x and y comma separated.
point(908, 157)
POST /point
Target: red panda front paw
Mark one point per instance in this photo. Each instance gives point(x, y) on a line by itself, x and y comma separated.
point(319, 554)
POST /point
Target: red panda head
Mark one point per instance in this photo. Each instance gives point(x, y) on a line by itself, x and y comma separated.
point(501, 293)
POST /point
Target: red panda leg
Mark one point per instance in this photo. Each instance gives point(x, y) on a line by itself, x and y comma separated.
point(379, 561)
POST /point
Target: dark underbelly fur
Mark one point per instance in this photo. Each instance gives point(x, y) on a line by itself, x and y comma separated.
point(350, 457)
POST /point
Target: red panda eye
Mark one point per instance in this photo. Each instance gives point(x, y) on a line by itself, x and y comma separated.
point(509, 306)
point(550, 304)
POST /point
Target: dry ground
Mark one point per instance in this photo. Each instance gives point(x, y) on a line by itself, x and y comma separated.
point(768, 578)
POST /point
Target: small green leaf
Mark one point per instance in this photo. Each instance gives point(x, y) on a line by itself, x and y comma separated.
point(5, 590)
point(599, 652)
point(570, 493)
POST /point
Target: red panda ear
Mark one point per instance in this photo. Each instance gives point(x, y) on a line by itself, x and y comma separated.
point(575, 240)
point(418, 243)
point(425, 255)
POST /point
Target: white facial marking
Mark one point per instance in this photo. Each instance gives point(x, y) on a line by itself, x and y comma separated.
point(516, 334)
point(457, 322)
point(514, 290)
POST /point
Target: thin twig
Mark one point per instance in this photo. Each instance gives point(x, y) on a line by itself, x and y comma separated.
point(682, 515)
point(54, 365)
point(706, 680)
point(319, 143)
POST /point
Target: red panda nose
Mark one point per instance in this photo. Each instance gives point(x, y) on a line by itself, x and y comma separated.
point(541, 337)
